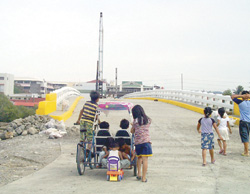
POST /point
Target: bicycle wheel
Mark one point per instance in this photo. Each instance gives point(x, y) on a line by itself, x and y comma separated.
point(80, 160)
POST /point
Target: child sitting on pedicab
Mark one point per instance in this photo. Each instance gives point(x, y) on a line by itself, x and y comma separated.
point(125, 149)
point(106, 147)
point(124, 124)
point(112, 149)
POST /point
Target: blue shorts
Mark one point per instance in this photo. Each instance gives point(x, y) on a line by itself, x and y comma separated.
point(144, 149)
point(207, 141)
point(244, 131)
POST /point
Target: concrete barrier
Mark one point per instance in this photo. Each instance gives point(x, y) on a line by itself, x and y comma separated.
point(183, 105)
point(48, 106)
point(67, 114)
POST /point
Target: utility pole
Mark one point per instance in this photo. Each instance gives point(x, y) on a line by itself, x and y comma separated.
point(97, 78)
point(100, 57)
point(181, 81)
point(115, 82)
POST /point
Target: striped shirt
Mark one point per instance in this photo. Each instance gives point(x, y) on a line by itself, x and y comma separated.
point(206, 125)
point(141, 132)
point(89, 111)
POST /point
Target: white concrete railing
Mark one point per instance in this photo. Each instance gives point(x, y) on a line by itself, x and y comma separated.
point(198, 98)
point(64, 93)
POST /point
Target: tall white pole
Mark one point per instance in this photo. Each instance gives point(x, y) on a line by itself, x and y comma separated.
point(100, 58)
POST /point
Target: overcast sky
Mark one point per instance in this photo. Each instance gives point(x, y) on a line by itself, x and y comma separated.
point(155, 41)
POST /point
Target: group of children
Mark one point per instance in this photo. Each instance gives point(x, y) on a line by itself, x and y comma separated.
point(205, 127)
point(115, 147)
point(140, 129)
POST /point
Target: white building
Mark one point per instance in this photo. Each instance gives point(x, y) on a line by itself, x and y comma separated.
point(38, 86)
point(86, 87)
point(6, 84)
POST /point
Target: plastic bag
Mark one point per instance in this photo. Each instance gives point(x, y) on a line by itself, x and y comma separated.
point(50, 124)
point(60, 126)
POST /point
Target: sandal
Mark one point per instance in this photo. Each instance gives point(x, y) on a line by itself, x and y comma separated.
point(138, 177)
point(204, 165)
point(213, 162)
point(243, 154)
point(221, 152)
point(145, 181)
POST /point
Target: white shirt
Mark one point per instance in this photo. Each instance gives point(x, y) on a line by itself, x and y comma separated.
point(223, 123)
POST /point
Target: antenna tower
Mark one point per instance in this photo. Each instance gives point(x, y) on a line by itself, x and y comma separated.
point(99, 81)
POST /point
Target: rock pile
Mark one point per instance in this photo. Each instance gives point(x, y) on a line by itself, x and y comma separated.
point(29, 126)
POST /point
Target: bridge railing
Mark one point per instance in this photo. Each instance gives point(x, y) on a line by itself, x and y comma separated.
point(65, 93)
point(190, 97)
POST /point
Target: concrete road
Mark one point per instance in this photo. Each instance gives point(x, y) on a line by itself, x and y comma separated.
point(174, 168)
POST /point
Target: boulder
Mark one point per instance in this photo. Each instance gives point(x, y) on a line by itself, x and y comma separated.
point(14, 133)
point(24, 133)
point(8, 135)
point(19, 130)
point(9, 129)
point(27, 126)
point(42, 127)
point(3, 128)
point(32, 131)
point(13, 125)
point(18, 122)
point(2, 135)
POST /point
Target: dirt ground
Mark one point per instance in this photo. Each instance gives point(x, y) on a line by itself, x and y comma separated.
point(24, 155)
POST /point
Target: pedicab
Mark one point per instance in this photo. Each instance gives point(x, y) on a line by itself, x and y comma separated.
point(106, 111)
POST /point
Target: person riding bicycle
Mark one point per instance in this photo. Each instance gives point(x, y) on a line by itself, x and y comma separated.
point(86, 118)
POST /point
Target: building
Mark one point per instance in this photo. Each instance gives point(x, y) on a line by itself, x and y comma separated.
point(38, 86)
point(127, 87)
point(6, 84)
point(32, 85)
point(87, 87)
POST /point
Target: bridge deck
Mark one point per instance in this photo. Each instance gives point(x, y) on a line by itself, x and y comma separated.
point(174, 168)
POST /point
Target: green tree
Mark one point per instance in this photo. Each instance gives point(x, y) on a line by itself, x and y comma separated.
point(227, 92)
point(238, 89)
point(10, 112)
point(18, 89)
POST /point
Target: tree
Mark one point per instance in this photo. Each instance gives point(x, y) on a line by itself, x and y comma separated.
point(227, 92)
point(18, 89)
point(238, 89)
point(10, 112)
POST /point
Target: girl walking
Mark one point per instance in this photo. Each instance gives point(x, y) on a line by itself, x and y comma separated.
point(140, 128)
point(207, 136)
point(223, 125)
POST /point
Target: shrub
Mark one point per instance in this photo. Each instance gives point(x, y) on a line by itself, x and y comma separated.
point(10, 112)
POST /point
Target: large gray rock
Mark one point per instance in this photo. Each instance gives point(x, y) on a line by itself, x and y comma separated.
point(14, 134)
point(42, 127)
point(32, 131)
point(2, 135)
point(9, 129)
point(27, 126)
point(8, 135)
point(19, 130)
point(18, 122)
point(13, 125)
point(22, 127)
point(24, 133)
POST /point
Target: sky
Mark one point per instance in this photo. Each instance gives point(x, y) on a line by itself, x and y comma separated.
point(154, 41)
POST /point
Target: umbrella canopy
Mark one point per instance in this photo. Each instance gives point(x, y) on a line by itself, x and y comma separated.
point(116, 106)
